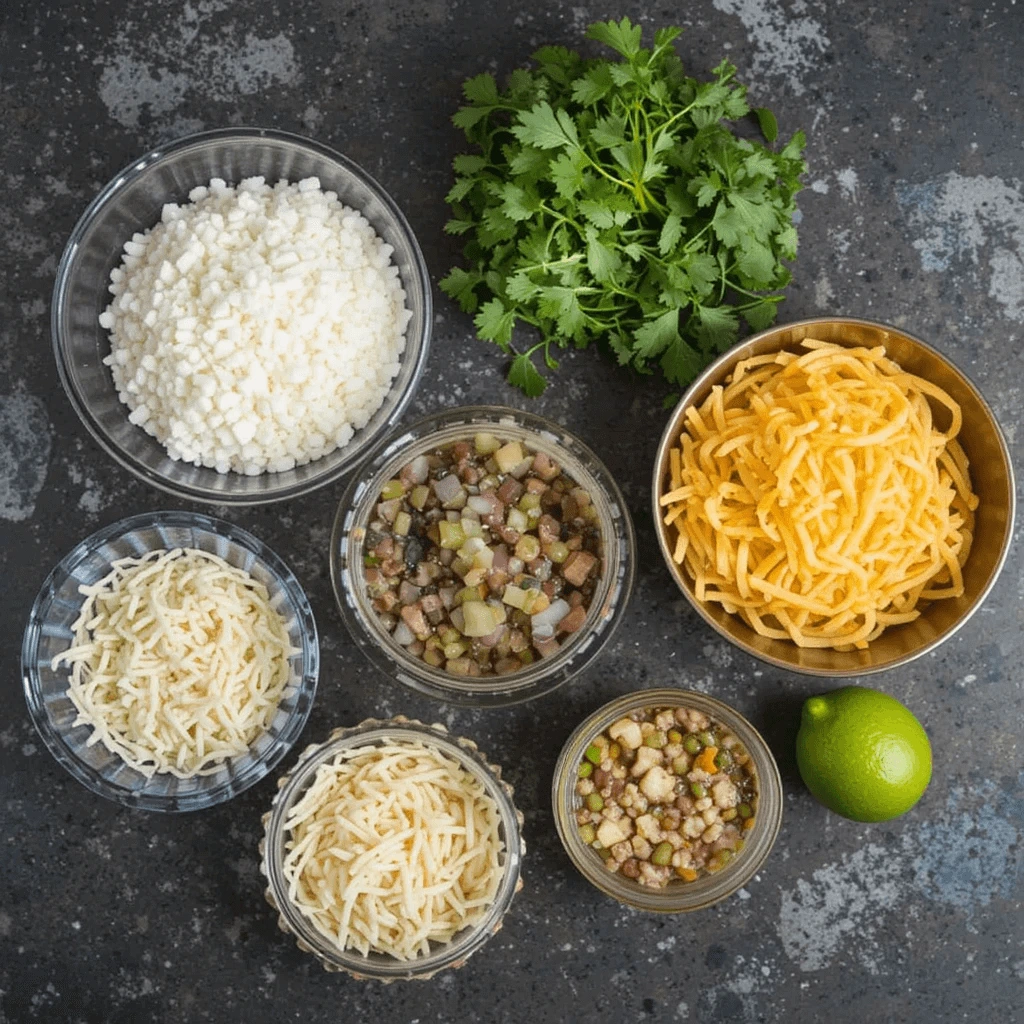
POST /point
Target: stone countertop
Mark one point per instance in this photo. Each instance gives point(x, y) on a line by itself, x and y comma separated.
point(913, 214)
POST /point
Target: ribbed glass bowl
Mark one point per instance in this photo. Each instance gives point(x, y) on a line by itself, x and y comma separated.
point(355, 513)
point(677, 896)
point(132, 202)
point(49, 633)
point(292, 787)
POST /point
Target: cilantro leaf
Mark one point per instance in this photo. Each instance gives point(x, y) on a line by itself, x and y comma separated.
point(717, 327)
point(566, 175)
point(459, 285)
point(494, 323)
point(671, 232)
point(593, 86)
point(602, 261)
point(623, 36)
point(761, 315)
point(656, 335)
point(481, 89)
point(544, 128)
point(680, 363)
point(767, 123)
point(523, 375)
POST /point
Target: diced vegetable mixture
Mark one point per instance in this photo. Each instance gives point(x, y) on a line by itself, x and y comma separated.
point(666, 794)
point(482, 556)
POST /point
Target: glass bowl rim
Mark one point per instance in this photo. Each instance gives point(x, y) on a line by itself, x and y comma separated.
point(135, 169)
point(290, 788)
point(576, 655)
point(684, 896)
point(217, 790)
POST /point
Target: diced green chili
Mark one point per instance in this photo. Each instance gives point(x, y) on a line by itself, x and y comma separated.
point(662, 855)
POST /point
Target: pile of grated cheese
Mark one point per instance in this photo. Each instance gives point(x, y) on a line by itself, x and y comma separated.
point(255, 329)
point(179, 661)
point(393, 848)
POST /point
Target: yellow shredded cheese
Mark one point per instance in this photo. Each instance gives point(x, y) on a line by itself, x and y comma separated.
point(179, 662)
point(814, 496)
point(393, 848)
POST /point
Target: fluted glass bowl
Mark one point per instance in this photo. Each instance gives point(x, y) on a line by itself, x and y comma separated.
point(49, 633)
point(356, 511)
point(379, 966)
point(133, 202)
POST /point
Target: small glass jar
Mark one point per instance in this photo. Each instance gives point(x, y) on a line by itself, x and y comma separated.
point(678, 896)
point(357, 509)
point(292, 787)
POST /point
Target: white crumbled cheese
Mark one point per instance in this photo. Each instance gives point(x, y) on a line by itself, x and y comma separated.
point(255, 328)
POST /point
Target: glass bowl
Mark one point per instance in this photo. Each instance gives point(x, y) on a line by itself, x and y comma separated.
point(991, 477)
point(133, 202)
point(356, 510)
point(677, 896)
point(49, 633)
point(379, 966)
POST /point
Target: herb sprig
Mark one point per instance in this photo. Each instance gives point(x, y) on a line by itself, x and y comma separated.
point(606, 200)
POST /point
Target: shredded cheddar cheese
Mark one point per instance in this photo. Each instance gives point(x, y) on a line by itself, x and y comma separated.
point(814, 496)
point(179, 661)
point(393, 848)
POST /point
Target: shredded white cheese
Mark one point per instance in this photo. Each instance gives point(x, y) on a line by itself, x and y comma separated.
point(393, 848)
point(179, 661)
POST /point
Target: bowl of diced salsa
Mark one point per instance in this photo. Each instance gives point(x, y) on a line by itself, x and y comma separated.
point(482, 556)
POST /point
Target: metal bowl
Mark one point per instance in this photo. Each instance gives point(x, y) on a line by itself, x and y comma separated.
point(991, 478)
point(132, 202)
point(49, 633)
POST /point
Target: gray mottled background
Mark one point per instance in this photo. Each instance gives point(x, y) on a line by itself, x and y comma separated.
point(913, 214)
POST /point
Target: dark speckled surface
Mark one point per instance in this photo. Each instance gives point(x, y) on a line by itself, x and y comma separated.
point(913, 214)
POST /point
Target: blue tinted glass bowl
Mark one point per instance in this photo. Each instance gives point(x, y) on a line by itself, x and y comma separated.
point(49, 632)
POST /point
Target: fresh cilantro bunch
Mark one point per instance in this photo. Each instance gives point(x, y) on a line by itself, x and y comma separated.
point(607, 200)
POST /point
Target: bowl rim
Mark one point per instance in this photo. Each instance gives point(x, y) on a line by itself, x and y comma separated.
point(131, 172)
point(686, 896)
point(518, 687)
point(219, 789)
point(383, 968)
point(669, 435)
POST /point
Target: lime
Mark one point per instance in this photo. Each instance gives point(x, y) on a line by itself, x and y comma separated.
point(862, 753)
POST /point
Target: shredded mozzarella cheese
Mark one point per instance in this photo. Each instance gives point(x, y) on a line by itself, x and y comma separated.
point(393, 848)
point(179, 661)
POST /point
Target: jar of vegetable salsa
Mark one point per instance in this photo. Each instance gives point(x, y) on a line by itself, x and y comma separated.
point(668, 800)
